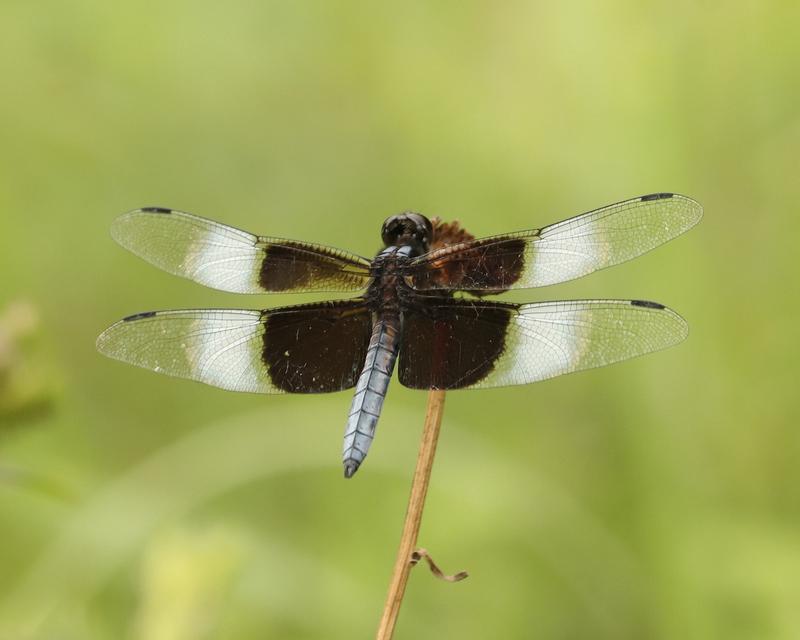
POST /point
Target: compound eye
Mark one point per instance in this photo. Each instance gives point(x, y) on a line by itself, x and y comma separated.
point(391, 231)
point(407, 228)
point(426, 231)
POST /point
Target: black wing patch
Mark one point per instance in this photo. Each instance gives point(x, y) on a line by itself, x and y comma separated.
point(453, 344)
point(316, 348)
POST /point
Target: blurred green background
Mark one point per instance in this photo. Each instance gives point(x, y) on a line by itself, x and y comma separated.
point(654, 499)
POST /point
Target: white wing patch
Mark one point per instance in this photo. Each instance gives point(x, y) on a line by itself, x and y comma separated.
point(218, 347)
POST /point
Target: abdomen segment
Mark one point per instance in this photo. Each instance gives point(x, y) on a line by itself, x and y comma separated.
point(370, 393)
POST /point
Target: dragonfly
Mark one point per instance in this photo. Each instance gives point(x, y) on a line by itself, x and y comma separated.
point(419, 306)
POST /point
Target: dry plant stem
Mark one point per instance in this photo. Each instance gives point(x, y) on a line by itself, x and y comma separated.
point(416, 502)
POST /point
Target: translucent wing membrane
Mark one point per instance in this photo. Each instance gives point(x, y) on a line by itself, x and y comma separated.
point(226, 258)
point(463, 344)
point(220, 348)
point(312, 348)
point(559, 252)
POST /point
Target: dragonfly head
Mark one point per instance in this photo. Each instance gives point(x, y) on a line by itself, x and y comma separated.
point(408, 228)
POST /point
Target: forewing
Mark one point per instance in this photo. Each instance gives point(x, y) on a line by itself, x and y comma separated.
point(313, 348)
point(226, 258)
point(559, 252)
point(475, 344)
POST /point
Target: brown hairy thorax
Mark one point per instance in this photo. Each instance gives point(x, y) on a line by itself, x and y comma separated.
point(449, 266)
point(447, 233)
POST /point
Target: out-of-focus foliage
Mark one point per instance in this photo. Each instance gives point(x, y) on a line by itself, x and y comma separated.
point(25, 389)
point(654, 499)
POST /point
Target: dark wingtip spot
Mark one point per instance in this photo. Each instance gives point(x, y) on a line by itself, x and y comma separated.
point(647, 304)
point(657, 196)
point(139, 316)
point(156, 210)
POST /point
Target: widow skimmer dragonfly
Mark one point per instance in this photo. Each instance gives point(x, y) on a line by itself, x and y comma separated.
point(407, 312)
